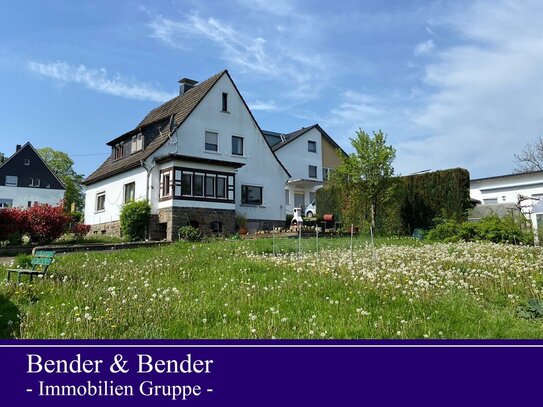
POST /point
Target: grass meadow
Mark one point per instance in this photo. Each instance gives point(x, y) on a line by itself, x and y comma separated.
point(271, 288)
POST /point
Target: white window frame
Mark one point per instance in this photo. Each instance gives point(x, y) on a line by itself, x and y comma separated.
point(133, 198)
point(311, 143)
point(13, 182)
point(261, 195)
point(98, 196)
point(211, 133)
point(137, 143)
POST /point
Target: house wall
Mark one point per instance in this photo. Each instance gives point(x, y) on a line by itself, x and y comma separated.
point(22, 195)
point(507, 189)
point(330, 158)
point(260, 169)
point(297, 159)
point(114, 189)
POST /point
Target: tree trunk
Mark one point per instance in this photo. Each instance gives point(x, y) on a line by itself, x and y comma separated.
point(373, 216)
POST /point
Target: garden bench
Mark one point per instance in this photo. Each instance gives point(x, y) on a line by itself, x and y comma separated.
point(41, 260)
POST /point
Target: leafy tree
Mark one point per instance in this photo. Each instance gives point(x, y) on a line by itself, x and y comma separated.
point(366, 176)
point(2, 158)
point(531, 157)
point(62, 165)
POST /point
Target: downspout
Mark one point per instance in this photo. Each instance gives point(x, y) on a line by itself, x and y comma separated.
point(148, 170)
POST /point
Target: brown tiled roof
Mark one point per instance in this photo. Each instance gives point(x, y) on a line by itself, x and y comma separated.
point(158, 123)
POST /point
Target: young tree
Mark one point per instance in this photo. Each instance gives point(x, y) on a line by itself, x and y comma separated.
point(62, 165)
point(531, 157)
point(366, 175)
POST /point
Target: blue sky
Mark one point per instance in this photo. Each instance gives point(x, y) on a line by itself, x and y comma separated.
point(452, 83)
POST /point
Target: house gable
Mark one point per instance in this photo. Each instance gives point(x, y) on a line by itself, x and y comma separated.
point(30, 169)
point(157, 127)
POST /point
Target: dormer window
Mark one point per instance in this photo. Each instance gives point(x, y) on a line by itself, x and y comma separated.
point(118, 151)
point(137, 143)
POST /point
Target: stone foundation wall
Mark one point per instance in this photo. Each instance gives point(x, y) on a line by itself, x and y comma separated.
point(108, 229)
point(173, 218)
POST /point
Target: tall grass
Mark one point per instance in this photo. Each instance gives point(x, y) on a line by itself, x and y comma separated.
point(266, 289)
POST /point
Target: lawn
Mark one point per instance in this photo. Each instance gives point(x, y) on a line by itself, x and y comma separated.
point(266, 289)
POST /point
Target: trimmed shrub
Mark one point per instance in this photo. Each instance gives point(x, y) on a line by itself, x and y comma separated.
point(189, 233)
point(46, 223)
point(135, 219)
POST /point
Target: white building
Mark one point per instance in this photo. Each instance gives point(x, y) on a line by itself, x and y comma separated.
point(309, 154)
point(199, 159)
point(25, 179)
point(507, 189)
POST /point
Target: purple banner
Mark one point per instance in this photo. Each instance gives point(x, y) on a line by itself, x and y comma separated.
point(241, 373)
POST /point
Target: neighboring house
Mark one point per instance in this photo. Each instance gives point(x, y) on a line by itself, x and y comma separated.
point(506, 189)
point(537, 220)
point(309, 154)
point(199, 159)
point(25, 179)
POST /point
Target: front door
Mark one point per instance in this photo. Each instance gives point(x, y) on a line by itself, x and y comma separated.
point(299, 199)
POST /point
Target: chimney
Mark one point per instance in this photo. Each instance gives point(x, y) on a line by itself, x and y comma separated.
point(17, 147)
point(186, 84)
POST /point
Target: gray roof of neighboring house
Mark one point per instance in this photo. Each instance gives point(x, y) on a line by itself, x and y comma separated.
point(288, 137)
point(501, 210)
point(516, 174)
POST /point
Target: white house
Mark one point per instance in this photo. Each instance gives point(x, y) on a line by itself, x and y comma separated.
point(199, 159)
point(25, 179)
point(506, 189)
point(309, 154)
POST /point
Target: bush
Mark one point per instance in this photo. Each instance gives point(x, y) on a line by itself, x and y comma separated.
point(46, 223)
point(80, 230)
point(491, 229)
point(13, 225)
point(23, 261)
point(448, 231)
point(135, 219)
point(189, 233)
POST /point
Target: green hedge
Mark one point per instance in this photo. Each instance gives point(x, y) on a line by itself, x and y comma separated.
point(424, 197)
point(416, 201)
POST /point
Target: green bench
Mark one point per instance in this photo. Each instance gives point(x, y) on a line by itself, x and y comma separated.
point(41, 260)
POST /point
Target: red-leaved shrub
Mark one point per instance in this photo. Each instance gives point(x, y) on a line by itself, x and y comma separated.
point(80, 230)
point(46, 223)
point(13, 224)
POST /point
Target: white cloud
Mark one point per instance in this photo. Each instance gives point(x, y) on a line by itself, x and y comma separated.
point(276, 7)
point(269, 106)
point(424, 48)
point(302, 74)
point(98, 80)
point(245, 52)
point(485, 98)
